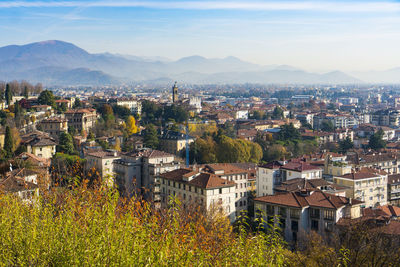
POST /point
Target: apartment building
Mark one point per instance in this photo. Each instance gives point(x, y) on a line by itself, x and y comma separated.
point(54, 126)
point(134, 105)
point(138, 171)
point(394, 189)
point(300, 169)
point(298, 213)
point(192, 187)
point(81, 119)
point(103, 161)
point(237, 175)
point(268, 177)
point(366, 185)
point(387, 161)
point(174, 142)
point(386, 117)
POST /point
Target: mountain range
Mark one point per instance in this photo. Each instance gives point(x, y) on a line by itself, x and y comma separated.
point(61, 63)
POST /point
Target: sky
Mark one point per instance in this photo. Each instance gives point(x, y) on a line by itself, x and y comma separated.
point(317, 36)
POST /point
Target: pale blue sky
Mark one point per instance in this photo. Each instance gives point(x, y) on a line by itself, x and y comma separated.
point(313, 35)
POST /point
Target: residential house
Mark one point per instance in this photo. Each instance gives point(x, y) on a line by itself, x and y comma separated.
point(300, 169)
point(103, 161)
point(394, 189)
point(192, 187)
point(40, 144)
point(366, 185)
point(298, 213)
point(268, 176)
point(81, 119)
point(54, 126)
point(236, 174)
point(175, 142)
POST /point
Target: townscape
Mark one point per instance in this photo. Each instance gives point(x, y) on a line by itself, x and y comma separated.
point(200, 133)
point(311, 160)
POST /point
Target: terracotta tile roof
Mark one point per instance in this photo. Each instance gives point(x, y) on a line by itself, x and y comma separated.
point(156, 154)
point(202, 180)
point(53, 119)
point(298, 184)
point(104, 154)
point(272, 165)
point(82, 110)
point(299, 166)
point(312, 199)
point(364, 173)
point(228, 168)
point(42, 162)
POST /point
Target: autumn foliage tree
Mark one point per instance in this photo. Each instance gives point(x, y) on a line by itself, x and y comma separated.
point(131, 126)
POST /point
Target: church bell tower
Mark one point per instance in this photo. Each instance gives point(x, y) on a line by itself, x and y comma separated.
point(175, 93)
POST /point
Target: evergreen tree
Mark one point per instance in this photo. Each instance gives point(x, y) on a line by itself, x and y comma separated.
point(8, 94)
point(8, 142)
point(46, 97)
point(376, 140)
point(66, 144)
point(346, 144)
point(150, 137)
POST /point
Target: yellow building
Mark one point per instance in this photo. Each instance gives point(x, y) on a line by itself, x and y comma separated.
point(367, 185)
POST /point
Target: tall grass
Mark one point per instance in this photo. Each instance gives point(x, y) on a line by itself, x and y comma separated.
point(95, 227)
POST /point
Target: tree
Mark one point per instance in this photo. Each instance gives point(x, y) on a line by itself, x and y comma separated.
point(46, 97)
point(288, 132)
point(346, 144)
point(327, 126)
point(131, 125)
point(66, 144)
point(8, 94)
point(121, 111)
point(376, 140)
point(26, 92)
point(8, 142)
point(117, 145)
point(77, 103)
point(277, 114)
point(150, 137)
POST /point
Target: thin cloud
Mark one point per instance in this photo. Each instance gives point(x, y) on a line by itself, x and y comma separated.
point(327, 6)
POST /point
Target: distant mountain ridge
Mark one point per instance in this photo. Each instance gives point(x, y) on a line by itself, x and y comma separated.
point(60, 63)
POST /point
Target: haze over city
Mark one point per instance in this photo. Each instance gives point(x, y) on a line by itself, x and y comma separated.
point(318, 36)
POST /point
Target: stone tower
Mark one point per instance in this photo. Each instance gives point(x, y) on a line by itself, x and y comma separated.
point(175, 93)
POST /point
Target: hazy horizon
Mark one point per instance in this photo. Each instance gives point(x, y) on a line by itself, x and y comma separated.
point(316, 36)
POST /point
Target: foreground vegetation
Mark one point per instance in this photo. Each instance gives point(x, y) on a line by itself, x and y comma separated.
point(95, 227)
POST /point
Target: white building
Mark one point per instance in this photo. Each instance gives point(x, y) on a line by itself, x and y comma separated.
point(300, 169)
point(268, 176)
point(298, 213)
point(103, 161)
point(237, 175)
point(242, 114)
point(199, 188)
point(134, 105)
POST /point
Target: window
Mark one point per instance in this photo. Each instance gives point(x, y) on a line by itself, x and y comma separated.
point(314, 213)
point(244, 203)
point(282, 212)
point(329, 214)
point(314, 225)
point(270, 210)
point(282, 223)
point(294, 213)
point(236, 195)
point(295, 226)
point(236, 204)
point(328, 226)
point(220, 190)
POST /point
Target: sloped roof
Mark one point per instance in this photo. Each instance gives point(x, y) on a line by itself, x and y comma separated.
point(202, 180)
point(312, 199)
point(300, 166)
